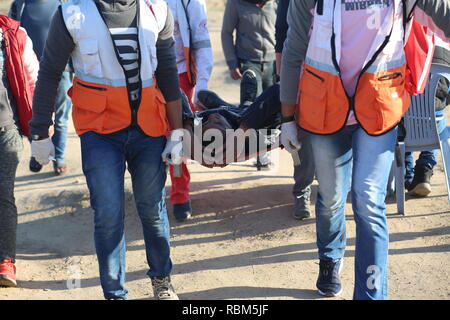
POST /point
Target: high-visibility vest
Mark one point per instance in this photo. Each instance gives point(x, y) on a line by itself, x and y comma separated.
point(99, 93)
point(380, 99)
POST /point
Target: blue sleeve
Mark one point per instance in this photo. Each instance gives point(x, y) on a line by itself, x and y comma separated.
point(281, 25)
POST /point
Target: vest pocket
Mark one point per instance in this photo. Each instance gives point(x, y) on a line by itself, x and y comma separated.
point(89, 106)
point(90, 57)
point(312, 101)
point(392, 103)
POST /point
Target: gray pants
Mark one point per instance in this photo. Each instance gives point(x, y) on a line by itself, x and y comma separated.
point(10, 148)
point(304, 173)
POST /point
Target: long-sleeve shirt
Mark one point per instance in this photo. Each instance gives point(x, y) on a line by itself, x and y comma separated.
point(432, 13)
point(60, 45)
point(281, 25)
point(192, 18)
point(255, 32)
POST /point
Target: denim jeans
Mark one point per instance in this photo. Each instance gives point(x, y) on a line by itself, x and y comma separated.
point(105, 158)
point(426, 158)
point(10, 149)
point(63, 106)
point(263, 71)
point(351, 160)
point(304, 172)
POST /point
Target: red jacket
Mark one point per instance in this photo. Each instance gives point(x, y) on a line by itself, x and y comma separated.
point(19, 78)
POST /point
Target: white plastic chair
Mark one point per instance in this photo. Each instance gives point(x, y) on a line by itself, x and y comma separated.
point(422, 134)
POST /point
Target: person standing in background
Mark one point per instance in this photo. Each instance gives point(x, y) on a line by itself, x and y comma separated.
point(35, 17)
point(418, 175)
point(195, 62)
point(303, 172)
point(18, 72)
point(250, 55)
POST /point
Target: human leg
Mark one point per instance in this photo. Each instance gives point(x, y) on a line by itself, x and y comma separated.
point(103, 161)
point(63, 106)
point(10, 148)
point(369, 182)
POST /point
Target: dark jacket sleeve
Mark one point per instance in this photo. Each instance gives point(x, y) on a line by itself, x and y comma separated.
point(58, 48)
point(167, 72)
point(281, 25)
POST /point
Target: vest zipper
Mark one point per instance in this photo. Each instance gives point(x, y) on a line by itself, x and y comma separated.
point(315, 75)
point(391, 76)
point(91, 87)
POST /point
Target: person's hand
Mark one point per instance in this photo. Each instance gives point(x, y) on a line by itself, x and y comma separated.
point(235, 74)
point(43, 150)
point(173, 152)
point(289, 136)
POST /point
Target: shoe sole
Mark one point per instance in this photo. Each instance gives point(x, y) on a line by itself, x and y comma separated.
point(330, 294)
point(302, 217)
point(421, 190)
point(184, 219)
point(7, 282)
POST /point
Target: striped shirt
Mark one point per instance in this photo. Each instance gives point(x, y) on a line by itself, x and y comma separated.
point(127, 44)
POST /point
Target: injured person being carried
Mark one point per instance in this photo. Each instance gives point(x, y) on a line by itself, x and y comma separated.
point(223, 133)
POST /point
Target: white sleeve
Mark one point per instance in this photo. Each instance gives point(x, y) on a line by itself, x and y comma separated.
point(201, 44)
point(30, 62)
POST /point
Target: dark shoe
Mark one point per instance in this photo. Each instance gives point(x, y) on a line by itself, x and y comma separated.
point(420, 186)
point(182, 211)
point(249, 87)
point(34, 165)
point(59, 167)
point(329, 283)
point(301, 205)
point(211, 100)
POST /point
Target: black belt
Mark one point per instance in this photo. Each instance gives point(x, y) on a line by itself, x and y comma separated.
point(8, 127)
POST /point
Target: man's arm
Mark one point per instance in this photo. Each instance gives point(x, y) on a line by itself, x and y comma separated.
point(230, 21)
point(58, 48)
point(299, 19)
point(201, 44)
point(281, 28)
point(167, 73)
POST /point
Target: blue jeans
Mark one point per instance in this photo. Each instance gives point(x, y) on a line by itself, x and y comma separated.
point(426, 158)
point(105, 158)
point(62, 111)
point(351, 160)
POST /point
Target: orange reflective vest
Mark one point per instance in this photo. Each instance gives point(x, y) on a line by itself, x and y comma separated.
point(99, 93)
point(380, 99)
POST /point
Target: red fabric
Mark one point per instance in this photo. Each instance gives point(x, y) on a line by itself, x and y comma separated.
point(180, 186)
point(419, 50)
point(15, 41)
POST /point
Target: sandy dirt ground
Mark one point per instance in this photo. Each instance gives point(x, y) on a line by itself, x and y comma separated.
point(242, 242)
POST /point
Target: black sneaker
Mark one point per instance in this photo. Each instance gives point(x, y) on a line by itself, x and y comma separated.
point(182, 211)
point(249, 87)
point(420, 186)
point(301, 205)
point(34, 165)
point(329, 283)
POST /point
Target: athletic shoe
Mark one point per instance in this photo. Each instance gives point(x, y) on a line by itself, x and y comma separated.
point(163, 289)
point(420, 186)
point(301, 205)
point(34, 165)
point(7, 273)
point(329, 283)
point(182, 211)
